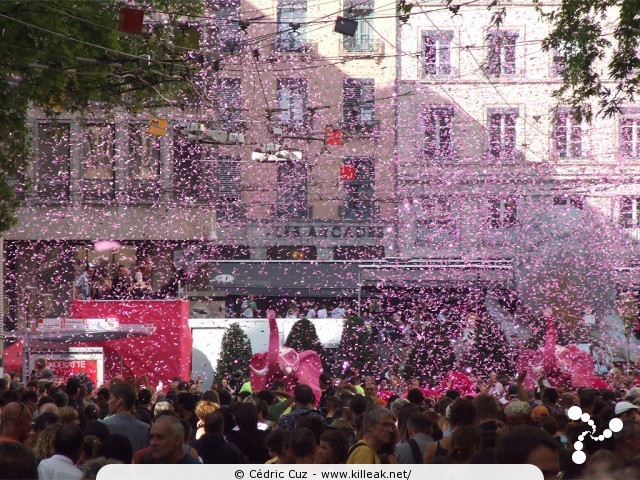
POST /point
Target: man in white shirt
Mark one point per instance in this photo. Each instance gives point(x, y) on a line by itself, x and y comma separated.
point(66, 446)
point(322, 313)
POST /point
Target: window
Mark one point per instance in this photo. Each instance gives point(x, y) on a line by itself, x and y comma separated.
point(358, 193)
point(437, 52)
point(229, 99)
point(361, 12)
point(437, 132)
point(292, 101)
point(502, 132)
point(501, 53)
point(292, 253)
point(629, 207)
point(503, 213)
point(291, 25)
point(229, 187)
point(189, 174)
point(559, 63)
point(629, 145)
point(358, 103)
point(144, 153)
point(561, 55)
point(569, 201)
point(292, 191)
point(436, 213)
point(567, 134)
point(53, 161)
point(97, 152)
point(229, 35)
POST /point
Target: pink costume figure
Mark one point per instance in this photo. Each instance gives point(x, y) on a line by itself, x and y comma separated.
point(560, 365)
point(284, 364)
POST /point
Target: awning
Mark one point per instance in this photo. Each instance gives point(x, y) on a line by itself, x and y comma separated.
point(321, 279)
point(345, 278)
point(73, 336)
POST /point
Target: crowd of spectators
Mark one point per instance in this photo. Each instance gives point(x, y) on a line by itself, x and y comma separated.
point(122, 283)
point(70, 431)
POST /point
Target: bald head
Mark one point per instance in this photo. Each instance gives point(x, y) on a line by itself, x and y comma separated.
point(15, 421)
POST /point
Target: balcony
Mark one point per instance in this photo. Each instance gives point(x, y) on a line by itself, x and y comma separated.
point(362, 46)
point(365, 128)
point(295, 45)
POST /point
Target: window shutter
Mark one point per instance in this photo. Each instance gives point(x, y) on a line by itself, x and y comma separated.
point(445, 54)
point(351, 92)
point(493, 54)
point(560, 134)
point(576, 137)
point(626, 137)
point(446, 117)
point(509, 40)
point(510, 212)
point(509, 141)
point(429, 55)
point(229, 96)
point(430, 145)
point(495, 121)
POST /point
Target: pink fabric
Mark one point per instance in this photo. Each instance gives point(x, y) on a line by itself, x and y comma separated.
point(284, 364)
point(560, 365)
point(161, 356)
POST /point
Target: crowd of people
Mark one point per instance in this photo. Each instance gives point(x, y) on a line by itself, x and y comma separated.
point(69, 431)
point(96, 283)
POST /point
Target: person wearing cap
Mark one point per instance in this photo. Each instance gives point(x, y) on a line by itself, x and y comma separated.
point(327, 389)
point(627, 411)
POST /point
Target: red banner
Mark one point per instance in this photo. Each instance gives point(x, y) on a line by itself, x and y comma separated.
point(162, 355)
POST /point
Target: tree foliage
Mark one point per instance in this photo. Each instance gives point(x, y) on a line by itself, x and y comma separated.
point(355, 353)
point(60, 55)
point(490, 351)
point(432, 358)
point(235, 353)
point(590, 35)
point(303, 336)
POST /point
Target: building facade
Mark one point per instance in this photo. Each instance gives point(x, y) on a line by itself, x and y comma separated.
point(423, 151)
point(287, 158)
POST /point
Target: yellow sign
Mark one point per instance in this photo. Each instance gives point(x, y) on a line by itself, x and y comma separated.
point(157, 126)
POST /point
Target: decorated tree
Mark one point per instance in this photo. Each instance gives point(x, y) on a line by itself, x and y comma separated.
point(303, 336)
point(355, 353)
point(235, 353)
point(490, 351)
point(433, 357)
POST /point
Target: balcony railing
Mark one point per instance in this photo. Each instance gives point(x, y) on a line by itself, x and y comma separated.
point(437, 237)
point(501, 236)
point(357, 128)
point(295, 45)
point(362, 45)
